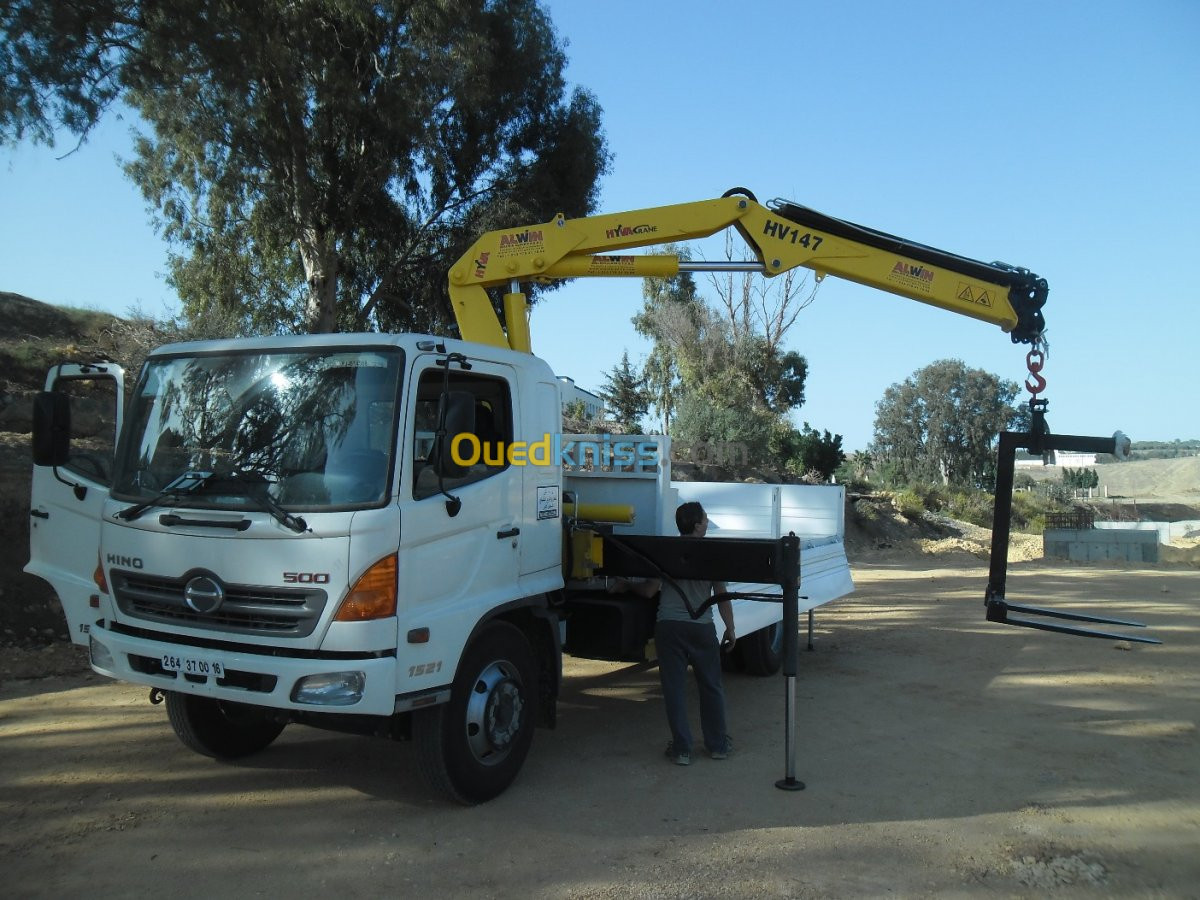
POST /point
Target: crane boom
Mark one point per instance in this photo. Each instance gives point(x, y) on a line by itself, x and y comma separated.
point(782, 236)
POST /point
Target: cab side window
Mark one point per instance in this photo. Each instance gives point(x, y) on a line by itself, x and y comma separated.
point(93, 426)
point(474, 456)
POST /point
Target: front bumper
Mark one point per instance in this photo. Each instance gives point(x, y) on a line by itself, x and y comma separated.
point(254, 678)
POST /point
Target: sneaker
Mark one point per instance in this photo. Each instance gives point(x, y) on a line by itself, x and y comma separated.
point(723, 753)
point(682, 758)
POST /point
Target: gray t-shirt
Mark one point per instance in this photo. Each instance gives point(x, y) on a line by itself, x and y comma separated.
point(671, 607)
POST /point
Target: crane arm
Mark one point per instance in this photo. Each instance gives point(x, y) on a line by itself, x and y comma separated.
point(782, 237)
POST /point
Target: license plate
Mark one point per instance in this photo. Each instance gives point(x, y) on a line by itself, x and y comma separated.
point(192, 665)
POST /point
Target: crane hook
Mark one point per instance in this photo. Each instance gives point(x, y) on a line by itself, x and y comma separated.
point(1035, 359)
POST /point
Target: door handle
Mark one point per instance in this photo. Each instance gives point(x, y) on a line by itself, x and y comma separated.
point(39, 514)
point(511, 532)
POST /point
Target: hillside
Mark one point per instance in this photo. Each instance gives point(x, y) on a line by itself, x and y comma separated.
point(1166, 480)
point(1164, 483)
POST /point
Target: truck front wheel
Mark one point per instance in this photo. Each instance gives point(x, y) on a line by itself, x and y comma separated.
point(472, 747)
point(219, 728)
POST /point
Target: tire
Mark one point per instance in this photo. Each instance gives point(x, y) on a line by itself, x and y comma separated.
point(762, 651)
point(219, 728)
point(472, 748)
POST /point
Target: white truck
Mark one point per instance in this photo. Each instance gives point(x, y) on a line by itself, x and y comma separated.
point(272, 545)
point(388, 534)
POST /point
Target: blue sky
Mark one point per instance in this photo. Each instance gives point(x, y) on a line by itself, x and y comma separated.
point(1063, 137)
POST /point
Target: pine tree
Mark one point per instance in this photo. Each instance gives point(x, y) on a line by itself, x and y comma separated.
point(624, 393)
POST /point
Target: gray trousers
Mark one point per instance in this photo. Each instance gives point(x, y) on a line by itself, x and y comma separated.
point(678, 644)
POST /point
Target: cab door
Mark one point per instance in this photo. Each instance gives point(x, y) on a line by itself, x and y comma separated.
point(66, 501)
point(463, 553)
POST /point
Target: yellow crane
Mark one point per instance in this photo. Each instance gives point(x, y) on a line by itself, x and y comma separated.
point(782, 236)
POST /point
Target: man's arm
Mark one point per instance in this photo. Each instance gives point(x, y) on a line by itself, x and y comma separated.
point(725, 608)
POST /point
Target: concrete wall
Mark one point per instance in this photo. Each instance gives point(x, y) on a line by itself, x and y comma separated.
point(1096, 544)
point(1167, 531)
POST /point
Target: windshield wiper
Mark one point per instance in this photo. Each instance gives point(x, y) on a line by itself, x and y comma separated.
point(281, 515)
point(187, 483)
point(246, 480)
point(249, 478)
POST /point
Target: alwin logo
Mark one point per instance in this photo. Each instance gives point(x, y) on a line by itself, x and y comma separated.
point(908, 270)
point(528, 236)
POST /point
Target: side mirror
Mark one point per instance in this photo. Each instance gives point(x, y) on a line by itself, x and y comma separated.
point(457, 416)
point(51, 428)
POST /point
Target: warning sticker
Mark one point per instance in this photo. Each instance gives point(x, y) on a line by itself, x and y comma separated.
point(547, 502)
point(977, 296)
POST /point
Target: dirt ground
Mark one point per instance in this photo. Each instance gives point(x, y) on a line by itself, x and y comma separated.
point(943, 756)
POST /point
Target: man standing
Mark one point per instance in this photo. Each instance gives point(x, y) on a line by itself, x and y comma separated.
point(682, 640)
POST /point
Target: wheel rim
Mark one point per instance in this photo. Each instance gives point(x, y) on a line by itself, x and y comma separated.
point(776, 639)
point(494, 713)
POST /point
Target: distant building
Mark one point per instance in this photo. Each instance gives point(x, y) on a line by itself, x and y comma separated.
point(593, 406)
point(1070, 459)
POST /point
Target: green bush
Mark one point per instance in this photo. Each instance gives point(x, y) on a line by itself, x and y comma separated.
point(909, 503)
point(1029, 508)
point(1029, 511)
point(1023, 481)
point(975, 507)
point(852, 477)
point(933, 496)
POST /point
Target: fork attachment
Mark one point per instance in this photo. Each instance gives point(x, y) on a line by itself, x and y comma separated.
point(998, 610)
point(1039, 440)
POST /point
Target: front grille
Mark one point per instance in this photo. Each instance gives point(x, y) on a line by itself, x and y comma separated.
point(247, 609)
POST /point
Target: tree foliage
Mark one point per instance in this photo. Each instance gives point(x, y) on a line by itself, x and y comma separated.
point(1080, 478)
point(670, 318)
point(719, 372)
point(317, 164)
point(942, 424)
point(808, 452)
point(625, 396)
point(765, 307)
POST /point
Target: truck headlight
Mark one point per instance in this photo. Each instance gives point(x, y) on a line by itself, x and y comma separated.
point(330, 689)
point(100, 655)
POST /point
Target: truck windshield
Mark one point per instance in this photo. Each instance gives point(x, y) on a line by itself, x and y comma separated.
point(308, 429)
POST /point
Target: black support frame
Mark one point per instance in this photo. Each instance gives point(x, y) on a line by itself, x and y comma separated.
point(760, 561)
point(1037, 440)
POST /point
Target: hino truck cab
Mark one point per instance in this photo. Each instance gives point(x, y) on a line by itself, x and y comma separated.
point(251, 521)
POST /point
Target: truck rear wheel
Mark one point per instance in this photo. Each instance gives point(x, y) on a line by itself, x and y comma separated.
point(762, 650)
point(472, 747)
point(219, 728)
